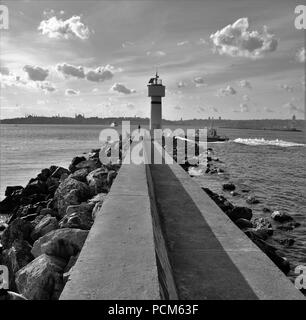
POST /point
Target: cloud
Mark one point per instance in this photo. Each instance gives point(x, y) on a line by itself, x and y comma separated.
point(127, 44)
point(36, 73)
point(245, 84)
point(201, 41)
point(286, 87)
point(244, 107)
point(178, 107)
point(199, 81)
point(226, 91)
point(200, 108)
point(268, 110)
point(237, 41)
point(156, 54)
point(181, 84)
point(246, 97)
point(301, 55)
point(70, 70)
point(292, 107)
point(100, 74)
point(71, 92)
point(122, 89)
point(64, 29)
point(130, 106)
point(47, 87)
point(182, 43)
point(5, 71)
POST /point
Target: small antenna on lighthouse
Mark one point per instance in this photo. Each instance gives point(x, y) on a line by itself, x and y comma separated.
point(157, 76)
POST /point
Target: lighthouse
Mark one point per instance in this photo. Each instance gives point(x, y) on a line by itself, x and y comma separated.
point(156, 90)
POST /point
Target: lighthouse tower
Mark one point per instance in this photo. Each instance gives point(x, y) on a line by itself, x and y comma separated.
point(156, 90)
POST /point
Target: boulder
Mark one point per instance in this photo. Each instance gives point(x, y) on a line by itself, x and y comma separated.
point(111, 177)
point(240, 212)
point(10, 295)
point(35, 187)
point(266, 210)
point(59, 172)
point(48, 211)
point(243, 223)
point(288, 242)
point(44, 174)
point(11, 189)
point(252, 200)
point(96, 209)
point(52, 185)
point(228, 187)
point(281, 217)
point(78, 216)
point(42, 278)
point(97, 181)
point(17, 229)
point(74, 162)
point(91, 164)
point(70, 192)
point(263, 228)
point(99, 198)
point(62, 243)
point(289, 226)
point(69, 267)
point(3, 226)
point(80, 175)
point(16, 257)
point(44, 226)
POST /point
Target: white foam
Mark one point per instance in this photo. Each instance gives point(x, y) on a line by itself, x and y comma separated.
point(263, 142)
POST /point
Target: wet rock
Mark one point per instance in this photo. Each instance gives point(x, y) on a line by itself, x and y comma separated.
point(281, 262)
point(240, 212)
point(91, 165)
point(45, 225)
point(245, 190)
point(78, 216)
point(111, 177)
point(35, 187)
point(243, 223)
point(30, 217)
point(17, 229)
point(70, 192)
point(59, 172)
point(234, 193)
point(52, 185)
point(281, 217)
point(3, 226)
point(42, 278)
point(286, 242)
point(289, 226)
point(252, 200)
point(48, 211)
point(266, 210)
point(229, 187)
point(263, 227)
point(80, 175)
point(97, 181)
point(74, 162)
point(16, 257)
point(44, 174)
point(11, 189)
point(62, 243)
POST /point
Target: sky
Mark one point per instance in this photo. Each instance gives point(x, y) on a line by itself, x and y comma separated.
point(235, 59)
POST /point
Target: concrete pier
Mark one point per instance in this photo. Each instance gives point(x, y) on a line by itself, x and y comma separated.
point(160, 236)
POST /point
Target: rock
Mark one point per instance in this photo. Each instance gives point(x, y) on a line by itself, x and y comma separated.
point(245, 190)
point(44, 175)
point(45, 225)
point(281, 217)
point(3, 226)
point(270, 251)
point(289, 226)
point(111, 177)
point(240, 212)
point(16, 257)
point(30, 217)
point(263, 227)
point(220, 170)
point(9, 204)
point(243, 223)
point(52, 185)
point(35, 187)
point(69, 267)
point(78, 216)
point(252, 200)
point(287, 242)
point(17, 229)
point(80, 175)
point(10, 295)
point(234, 193)
point(99, 198)
point(96, 210)
point(266, 210)
point(70, 192)
point(48, 211)
point(228, 187)
point(11, 189)
point(26, 210)
point(97, 181)
point(91, 164)
point(74, 162)
point(62, 243)
point(42, 278)
point(59, 172)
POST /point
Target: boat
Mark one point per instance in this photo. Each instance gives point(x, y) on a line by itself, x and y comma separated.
point(212, 136)
point(114, 124)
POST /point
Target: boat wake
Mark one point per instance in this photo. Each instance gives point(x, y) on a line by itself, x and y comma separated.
point(263, 142)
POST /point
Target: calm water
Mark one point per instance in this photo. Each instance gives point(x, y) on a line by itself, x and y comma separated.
point(271, 164)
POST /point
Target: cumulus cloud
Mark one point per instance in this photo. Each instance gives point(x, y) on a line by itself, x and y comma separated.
point(201, 41)
point(237, 40)
point(244, 107)
point(181, 84)
point(182, 43)
point(246, 97)
point(122, 89)
point(229, 90)
point(245, 84)
point(64, 29)
point(268, 110)
point(156, 54)
point(100, 74)
point(292, 107)
point(199, 81)
point(47, 87)
point(69, 70)
point(127, 44)
point(301, 55)
point(286, 87)
point(71, 92)
point(5, 71)
point(36, 73)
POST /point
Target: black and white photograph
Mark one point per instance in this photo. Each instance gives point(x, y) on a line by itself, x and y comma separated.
point(152, 151)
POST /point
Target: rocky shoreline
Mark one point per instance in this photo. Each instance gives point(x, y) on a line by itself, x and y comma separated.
point(48, 222)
